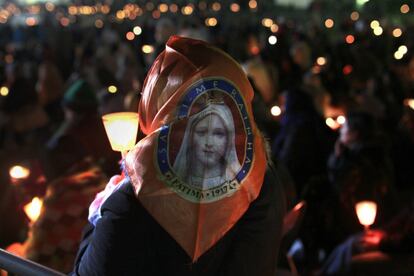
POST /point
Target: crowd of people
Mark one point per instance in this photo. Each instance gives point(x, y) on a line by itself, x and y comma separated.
point(60, 80)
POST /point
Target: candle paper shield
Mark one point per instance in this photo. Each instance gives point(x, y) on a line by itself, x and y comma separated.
point(121, 129)
point(366, 212)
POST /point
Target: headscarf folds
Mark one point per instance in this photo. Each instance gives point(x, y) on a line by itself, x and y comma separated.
point(196, 113)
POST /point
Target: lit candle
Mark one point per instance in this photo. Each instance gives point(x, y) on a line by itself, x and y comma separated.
point(18, 173)
point(121, 129)
point(276, 110)
point(366, 212)
point(33, 208)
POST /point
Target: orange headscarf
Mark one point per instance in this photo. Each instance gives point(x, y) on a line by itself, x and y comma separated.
point(189, 82)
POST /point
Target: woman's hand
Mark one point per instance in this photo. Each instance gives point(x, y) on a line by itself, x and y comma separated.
point(94, 208)
point(369, 241)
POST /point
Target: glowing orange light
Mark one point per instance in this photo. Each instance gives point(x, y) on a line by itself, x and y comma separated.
point(374, 24)
point(329, 23)
point(64, 21)
point(330, 122)
point(321, 61)
point(252, 4)
point(272, 40)
point(187, 10)
point(275, 110)
point(341, 119)
point(99, 23)
point(173, 8)
point(72, 10)
point(299, 206)
point(211, 22)
point(254, 50)
point(147, 49)
point(409, 103)
point(132, 16)
point(274, 28)
point(121, 129)
point(398, 55)
point(267, 22)
point(163, 7)
point(378, 31)
point(405, 8)
point(347, 69)
point(33, 209)
point(397, 32)
point(403, 49)
point(354, 16)
point(105, 9)
point(235, 7)
point(349, 39)
point(112, 89)
point(18, 172)
point(216, 6)
point(17, 249)
point(366, 212)
point(31, 21)
point(137, 30)
point(4, 91)
point(120, 15)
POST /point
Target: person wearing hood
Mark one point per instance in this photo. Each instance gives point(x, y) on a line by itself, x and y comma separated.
point(197, 195)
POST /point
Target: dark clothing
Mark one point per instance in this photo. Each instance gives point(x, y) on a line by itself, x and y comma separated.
point(13, 226)
point(361, 173)
point(398, 243)
point(87, 134)
point(304, 141)
point(399, 236)
point(128, 241)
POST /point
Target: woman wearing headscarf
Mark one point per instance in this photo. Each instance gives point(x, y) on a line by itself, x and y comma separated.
point(153, 220)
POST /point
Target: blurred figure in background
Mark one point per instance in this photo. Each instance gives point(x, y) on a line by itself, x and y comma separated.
point(84, 127)
point(73, 182)
point(164, 28)
point(303, 142)
point(360, 168)
point(25, 116)
point(49, 86)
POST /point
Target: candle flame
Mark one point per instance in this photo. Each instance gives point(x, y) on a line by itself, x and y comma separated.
point(333, 124)
point(19, 172)
point(33, 208)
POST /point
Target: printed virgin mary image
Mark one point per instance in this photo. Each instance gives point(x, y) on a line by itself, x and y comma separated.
point(207, 157)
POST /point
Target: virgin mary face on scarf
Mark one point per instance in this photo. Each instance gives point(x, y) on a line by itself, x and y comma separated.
point(207, 156)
